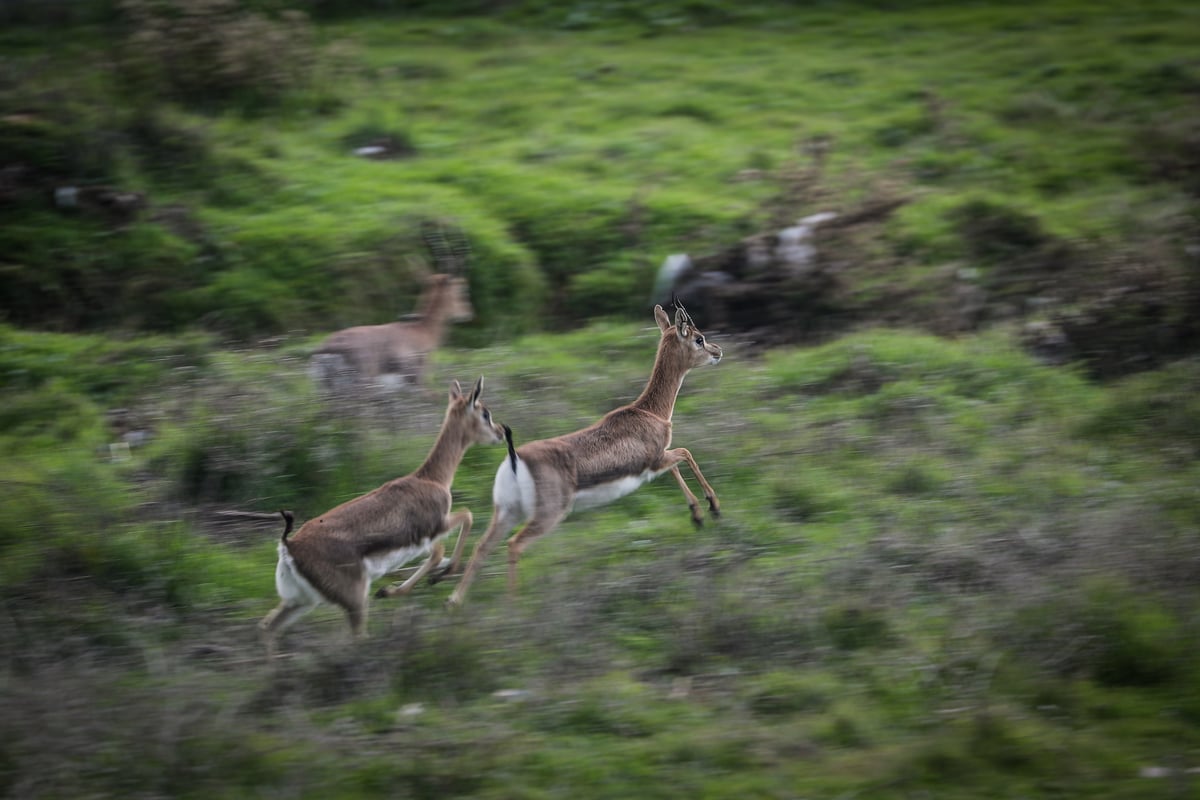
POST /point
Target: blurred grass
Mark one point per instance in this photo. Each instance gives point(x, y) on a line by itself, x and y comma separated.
point(940, 568)
point(630, 137)
point(943, 568)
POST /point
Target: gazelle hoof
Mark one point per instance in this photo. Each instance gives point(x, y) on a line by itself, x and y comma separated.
point(443, 570)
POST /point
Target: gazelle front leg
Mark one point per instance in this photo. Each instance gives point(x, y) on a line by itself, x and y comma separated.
point(673, 458)
point(693, 506)
point(463, 518)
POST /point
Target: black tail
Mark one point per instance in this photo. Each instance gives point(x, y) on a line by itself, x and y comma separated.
point(288, 520)
point(512, 451)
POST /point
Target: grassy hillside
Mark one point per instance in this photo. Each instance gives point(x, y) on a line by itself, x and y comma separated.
point(944, 568)
point(1039, 150)
point(941, 568)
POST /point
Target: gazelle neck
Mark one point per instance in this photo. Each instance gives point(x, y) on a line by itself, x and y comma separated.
point(443, 459)
point(661, 390)
point(434, 311)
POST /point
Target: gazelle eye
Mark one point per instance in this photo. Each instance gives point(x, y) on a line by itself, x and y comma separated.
point(487, 415)
point(700, 340)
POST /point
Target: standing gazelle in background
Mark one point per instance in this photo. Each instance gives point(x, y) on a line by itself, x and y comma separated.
point(334, 557)
point(627, 447)
point(397, 352)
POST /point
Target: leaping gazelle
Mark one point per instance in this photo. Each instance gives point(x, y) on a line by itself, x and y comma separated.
point(544, 480)
point(335, 556)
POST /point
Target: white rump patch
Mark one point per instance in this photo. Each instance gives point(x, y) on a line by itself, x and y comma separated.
point(291, 585)
point(392, 381)
point(515, 493)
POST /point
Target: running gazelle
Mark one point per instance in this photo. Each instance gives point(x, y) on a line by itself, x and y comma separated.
point(335, 556)
point(627, 447)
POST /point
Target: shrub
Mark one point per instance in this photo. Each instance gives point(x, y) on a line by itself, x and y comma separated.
point(779, 693)
point(1145, 317)
point(88, 276)
point(995, 233)
point(49, 417)
point(67, 517)
point(55, 141)
point(272, 455)
point(108, 370)
point(1154, 411)
point(451, 662)
point(55, 13)
point(1169, 149)
point(1103, 630)
point(918, 477)
point(213, 51)
point(810, 496)
point(612, 705)
point(854, 627)
point(614, 289)
point(903, 128)
point(723, 625)
point(569, 230)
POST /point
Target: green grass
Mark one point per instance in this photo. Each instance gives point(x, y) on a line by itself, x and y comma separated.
point(577, 159)
point(942, 567)
point(938, 569)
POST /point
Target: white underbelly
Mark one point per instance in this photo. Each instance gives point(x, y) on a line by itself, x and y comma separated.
point(603, 493)
point(381, 564)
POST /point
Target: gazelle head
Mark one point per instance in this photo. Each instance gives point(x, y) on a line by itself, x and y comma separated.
point(469, 415)
point(448, 297)
point(684, 340)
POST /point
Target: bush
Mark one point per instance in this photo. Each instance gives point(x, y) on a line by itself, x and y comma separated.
point(1103, 630)
point(57, 141)
point(56, 519)
point(1169, 149)
point(108, 370)
point(995, 233)
point(275, 455)
point(209, 52)
point(855, 627)
point(779, 693)
point(1154, 411)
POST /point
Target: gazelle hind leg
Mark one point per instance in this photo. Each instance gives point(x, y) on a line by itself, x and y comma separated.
point(356, 609)
point(503, 520)
point(537, 527)
point(279, 619)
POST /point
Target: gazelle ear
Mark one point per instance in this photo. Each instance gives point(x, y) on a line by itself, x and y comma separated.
point(681, 323)
point(478, 391)
point(455, 390)
point(660, 316)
